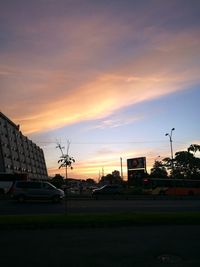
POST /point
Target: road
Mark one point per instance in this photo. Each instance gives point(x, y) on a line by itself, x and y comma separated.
point(10, 207)
point(138, 246)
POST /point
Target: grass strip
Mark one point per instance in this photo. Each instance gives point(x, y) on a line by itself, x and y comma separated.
point(97, 220)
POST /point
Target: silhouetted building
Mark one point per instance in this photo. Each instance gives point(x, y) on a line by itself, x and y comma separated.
point(18, 154)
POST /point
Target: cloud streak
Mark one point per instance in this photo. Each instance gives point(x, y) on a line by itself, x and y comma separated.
point(57, 76)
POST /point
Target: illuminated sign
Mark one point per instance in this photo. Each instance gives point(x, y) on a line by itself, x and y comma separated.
point(136, 163)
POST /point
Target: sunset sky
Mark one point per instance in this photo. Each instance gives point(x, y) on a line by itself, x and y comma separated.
point(111, 76)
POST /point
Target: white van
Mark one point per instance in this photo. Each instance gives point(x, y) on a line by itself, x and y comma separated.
point(36, 190)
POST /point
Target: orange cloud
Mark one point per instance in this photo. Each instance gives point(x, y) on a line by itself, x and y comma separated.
point(57, 97)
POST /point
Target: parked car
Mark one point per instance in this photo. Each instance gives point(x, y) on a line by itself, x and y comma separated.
point(107, 190)
point(31, 190)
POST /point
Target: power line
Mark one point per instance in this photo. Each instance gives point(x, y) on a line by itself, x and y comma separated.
point(109, 143)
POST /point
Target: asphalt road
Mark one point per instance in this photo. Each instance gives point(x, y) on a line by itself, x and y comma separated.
point(139, 246)
point(10, 207)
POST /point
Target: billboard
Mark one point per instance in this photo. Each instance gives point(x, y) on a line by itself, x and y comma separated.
point(136, 163)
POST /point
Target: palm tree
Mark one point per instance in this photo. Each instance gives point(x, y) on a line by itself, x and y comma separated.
point(65, 160)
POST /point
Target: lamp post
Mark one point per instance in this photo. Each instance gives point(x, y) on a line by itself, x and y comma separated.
point(172, 158)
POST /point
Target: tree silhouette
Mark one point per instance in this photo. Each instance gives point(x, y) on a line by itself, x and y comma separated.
point(186, 165)
point(58, 181)
point(113, 178)
point(158, 170)
point(65, 160)
point(194, 148)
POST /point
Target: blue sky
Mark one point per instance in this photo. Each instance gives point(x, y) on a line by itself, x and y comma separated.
point(110, 76)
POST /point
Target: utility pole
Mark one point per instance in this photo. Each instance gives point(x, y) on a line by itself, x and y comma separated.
point(121, 168)
point(99, 177)
point(102, 171)
point(172, 157)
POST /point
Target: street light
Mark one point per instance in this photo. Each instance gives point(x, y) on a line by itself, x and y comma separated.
point(170, 139)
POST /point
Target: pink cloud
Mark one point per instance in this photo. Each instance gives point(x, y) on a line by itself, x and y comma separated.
point(68, 87)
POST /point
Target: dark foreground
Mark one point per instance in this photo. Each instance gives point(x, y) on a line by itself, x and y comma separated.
point(136, 246)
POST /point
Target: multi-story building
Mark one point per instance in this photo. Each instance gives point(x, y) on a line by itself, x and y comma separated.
point(18, 154)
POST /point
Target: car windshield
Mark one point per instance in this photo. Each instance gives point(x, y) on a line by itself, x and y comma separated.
point(102, 187)
point(49, 186)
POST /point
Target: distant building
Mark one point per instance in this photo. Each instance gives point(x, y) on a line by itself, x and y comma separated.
point(18, 154)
